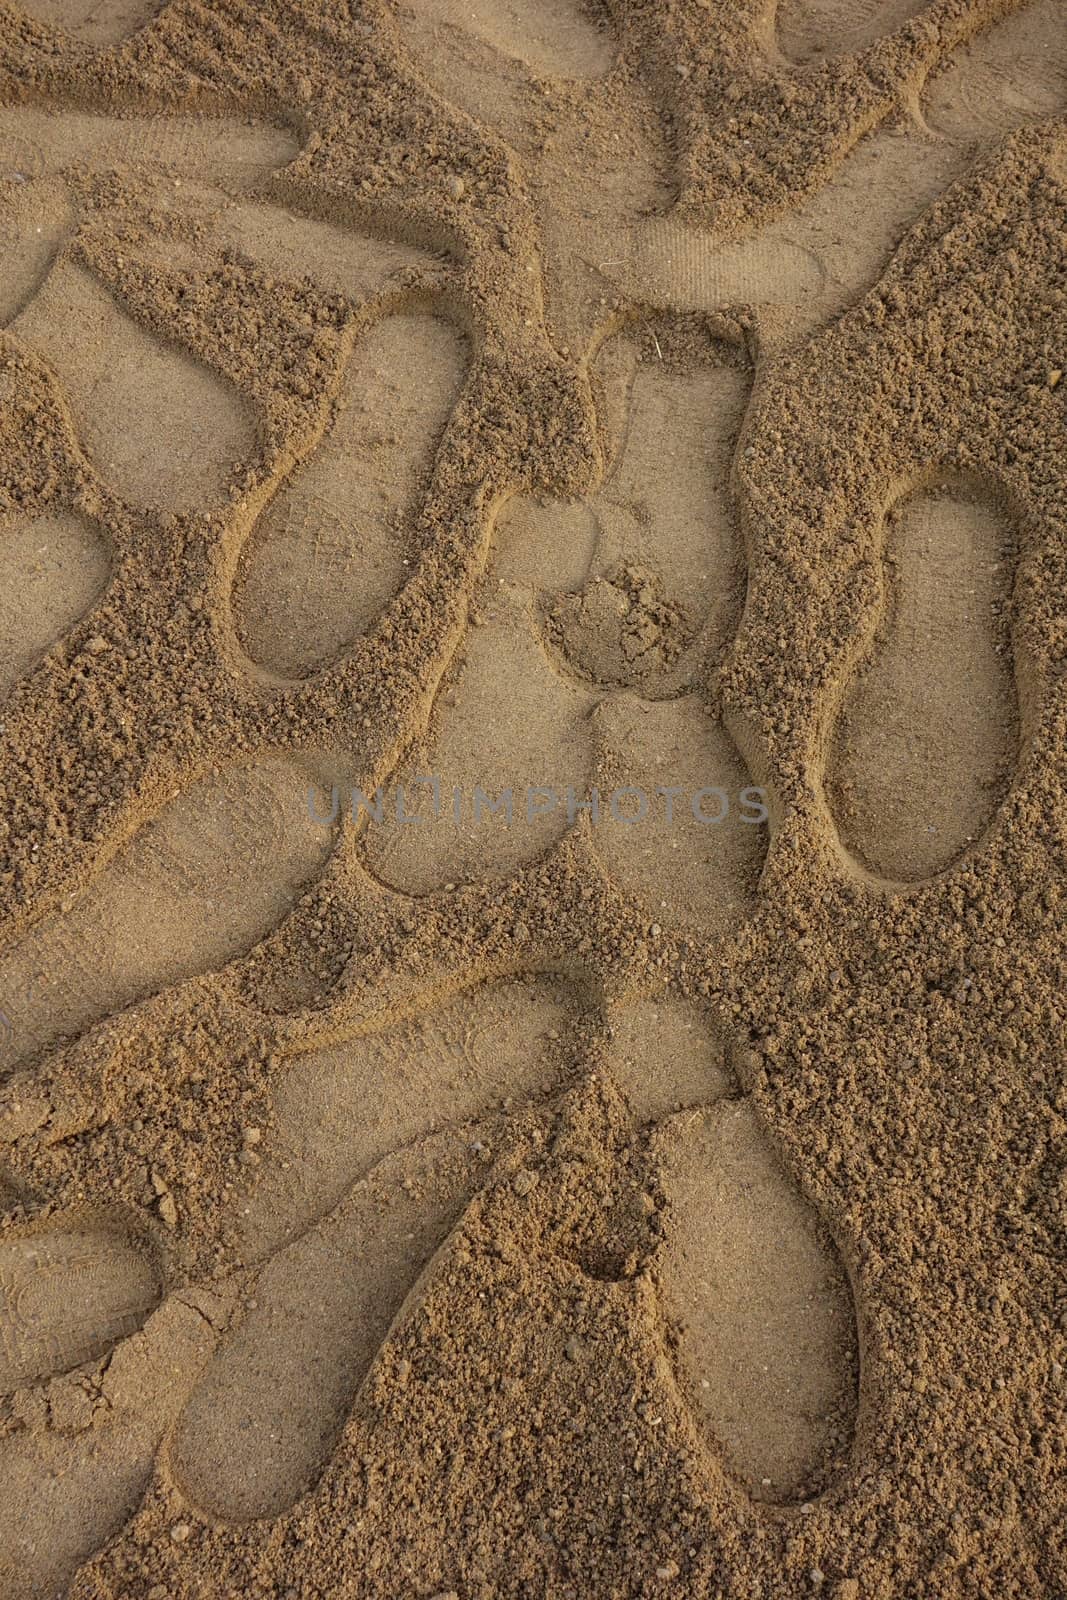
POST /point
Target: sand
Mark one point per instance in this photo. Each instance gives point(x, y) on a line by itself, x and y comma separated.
point(533, 544)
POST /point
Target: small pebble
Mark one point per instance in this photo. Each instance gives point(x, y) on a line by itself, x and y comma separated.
point(180, 1532)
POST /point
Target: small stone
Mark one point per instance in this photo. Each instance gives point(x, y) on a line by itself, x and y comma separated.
point(525, 1181)
point(817, 1576)
point(1054, 377)
point(457, 188)
point(97, 644)
point(573, 1348)
point(252, 1135)
point(669, 1569)
point(180, 1532)
point(168, 1211)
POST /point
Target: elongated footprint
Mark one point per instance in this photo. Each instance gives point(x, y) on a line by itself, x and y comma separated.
point(342, 1108)
point(77, 1467)
point(162, 429)
point(40, 150)
point(68, 1293)
point(809, 30)
point(295, 247)
point(96, 22)
point(262, 1425)
point(280, 1390)
point(1013, 73)
point(767, 1330)
point(768, 1338)
point(190, 892)
point(52, 568)
point(332, 549)
point(927, 737)
point(40, 142)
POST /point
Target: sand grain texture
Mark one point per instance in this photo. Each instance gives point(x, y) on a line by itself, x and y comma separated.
point(445, 1196)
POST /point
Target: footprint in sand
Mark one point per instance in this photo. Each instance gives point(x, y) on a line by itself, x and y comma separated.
point(131, 394)
point(584, 669)
point(1013, 73)
point(371, 1138)
point(68, 1293)
point(927, 737)
point(95, 22)
point(161, 428)
point(190, 892)
point(329, 553)
point(77, 1467)
point(812, 30)
point(52, 568)
point(767, 1341)
point(550, 38)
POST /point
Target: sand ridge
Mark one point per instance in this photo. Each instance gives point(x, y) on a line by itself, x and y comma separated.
point(823, 1051)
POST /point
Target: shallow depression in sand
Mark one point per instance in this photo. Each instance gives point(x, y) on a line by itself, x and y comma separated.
point(333, 547)
point(161, 429)
point(809, 30)
point(261, 1425)
point(927, 737)
point(767, 1343)
point(67, 1294)
point(52, 568)
point(219, 867)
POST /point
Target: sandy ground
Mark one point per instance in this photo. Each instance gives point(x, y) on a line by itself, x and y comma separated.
point(656, 1184)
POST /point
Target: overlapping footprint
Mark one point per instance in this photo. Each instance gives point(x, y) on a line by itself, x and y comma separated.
point(604, 204)
point(379, 1146)
point(191, 890)
point(750, 1277)
point(161, 427)
point(587, 668)
point(597, 618)
point(808, 266)
point(188, 894)
point(162, 430)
